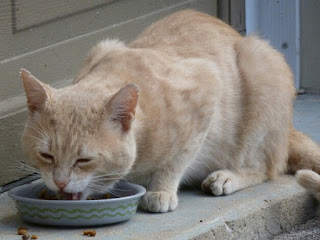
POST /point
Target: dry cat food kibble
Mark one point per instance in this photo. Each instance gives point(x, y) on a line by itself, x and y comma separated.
point(22, 230)
point(106, 196)
point(25, 236)
point(46, 196)
point(90, 233)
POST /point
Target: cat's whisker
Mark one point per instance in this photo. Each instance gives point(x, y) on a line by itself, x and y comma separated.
point(99, 190)
point(41, 140)
point(22, 168)
point(96, 189)
point(88, 193)
point(123, 178)
point(36, 189)
point(104, 179)
point(25, 166)
point(30, 168)
point(42, 133)
point(107, 177)
point(100, 183)
point(16, 172)
point(113, 193)
point(97, 185)
point(42, 128)
point(108, 174)
point(123, 190)
point(37, 147)
point(101, 186)
point(18, 167)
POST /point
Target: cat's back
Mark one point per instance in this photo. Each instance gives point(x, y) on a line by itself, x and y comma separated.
point(189, 34)
point(182, 58)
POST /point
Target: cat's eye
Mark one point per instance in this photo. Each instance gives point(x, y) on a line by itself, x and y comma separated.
point(47, 157)
point(83, 161)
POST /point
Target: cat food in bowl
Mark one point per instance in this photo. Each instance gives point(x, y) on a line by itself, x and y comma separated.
point(121, 206)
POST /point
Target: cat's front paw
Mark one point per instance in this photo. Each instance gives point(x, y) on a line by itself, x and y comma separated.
point(222, 182)
point(159, 201)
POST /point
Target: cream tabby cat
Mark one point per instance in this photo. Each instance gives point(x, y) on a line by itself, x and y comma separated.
point(189, 102)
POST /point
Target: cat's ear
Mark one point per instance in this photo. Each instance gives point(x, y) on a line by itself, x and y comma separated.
point(122, 106)
point(36, 92)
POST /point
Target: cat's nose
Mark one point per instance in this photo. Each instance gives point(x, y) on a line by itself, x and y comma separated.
point(61, 184)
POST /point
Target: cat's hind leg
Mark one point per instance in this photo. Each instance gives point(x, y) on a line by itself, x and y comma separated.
point(225, 182)
point(267, 115)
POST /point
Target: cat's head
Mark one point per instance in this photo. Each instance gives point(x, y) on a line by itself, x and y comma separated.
point(80, 141)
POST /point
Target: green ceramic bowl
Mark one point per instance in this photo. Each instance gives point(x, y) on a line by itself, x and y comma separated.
point(77, 213)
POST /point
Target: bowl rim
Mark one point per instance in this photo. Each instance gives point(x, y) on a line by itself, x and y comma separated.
point(141, 191)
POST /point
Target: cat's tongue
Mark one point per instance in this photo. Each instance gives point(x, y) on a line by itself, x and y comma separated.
point(75, 196)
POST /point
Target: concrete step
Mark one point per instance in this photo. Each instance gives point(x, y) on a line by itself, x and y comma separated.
point(260, 212)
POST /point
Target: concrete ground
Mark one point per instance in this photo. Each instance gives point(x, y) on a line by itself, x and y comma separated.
point(308, 231)
point(260, 212)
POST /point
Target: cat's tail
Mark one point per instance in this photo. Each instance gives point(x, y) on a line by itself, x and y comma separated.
point(310, 181)
point(303, 153)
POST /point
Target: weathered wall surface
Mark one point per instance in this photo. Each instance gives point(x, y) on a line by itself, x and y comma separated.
point(309, 49)
point(51, 38)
